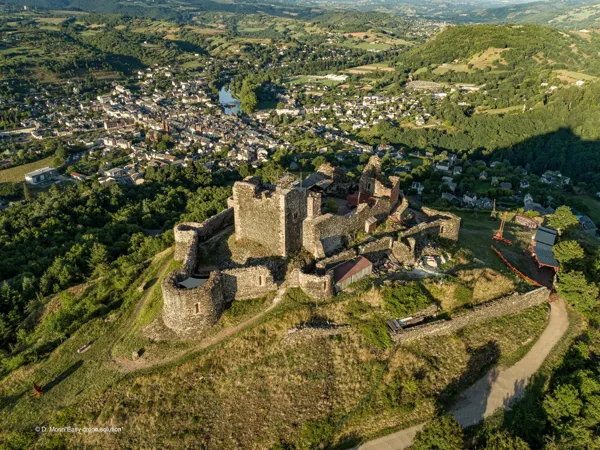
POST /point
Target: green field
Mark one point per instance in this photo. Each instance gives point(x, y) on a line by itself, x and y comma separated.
point(592, 203)
point(17, 174)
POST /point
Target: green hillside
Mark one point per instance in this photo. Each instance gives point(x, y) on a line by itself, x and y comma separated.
point(522, 45)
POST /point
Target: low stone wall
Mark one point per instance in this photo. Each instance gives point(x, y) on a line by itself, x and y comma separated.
point(320, 287)
point(328, 263)
point(247, 282)
point(498, 308)
point(188, 312)
point(297, 336)
point(405, 252)
point(380, 245)
point(449, 223)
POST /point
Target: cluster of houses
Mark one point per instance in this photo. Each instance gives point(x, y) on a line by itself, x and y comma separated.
point(360, 112)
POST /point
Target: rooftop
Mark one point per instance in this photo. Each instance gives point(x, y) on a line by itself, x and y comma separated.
point(40, 171)
point(546, 236)
point(349, 268)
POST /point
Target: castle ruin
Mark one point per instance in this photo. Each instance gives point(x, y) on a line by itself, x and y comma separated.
point(284, 220)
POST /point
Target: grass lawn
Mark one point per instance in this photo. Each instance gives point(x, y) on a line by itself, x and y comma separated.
point(17, 174)
point(592, 203)
point(440, 70)
point(499, 110)
point(572, 77)
point(476, 240)
point(308, 79)
point(415, 162)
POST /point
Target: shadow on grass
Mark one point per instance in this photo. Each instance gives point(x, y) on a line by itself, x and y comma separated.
point(480, 360)
point(63, 376)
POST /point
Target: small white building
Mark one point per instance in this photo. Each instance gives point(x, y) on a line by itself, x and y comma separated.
point(41, 176)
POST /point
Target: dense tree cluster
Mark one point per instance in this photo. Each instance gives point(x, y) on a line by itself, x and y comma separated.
point(71, 233)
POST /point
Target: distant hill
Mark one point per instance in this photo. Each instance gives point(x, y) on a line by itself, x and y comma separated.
point(184, 10)
point(567, 14)
point(521, 43)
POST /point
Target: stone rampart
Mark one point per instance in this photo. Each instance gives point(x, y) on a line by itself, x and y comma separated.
point(332, 261)
point(377, 246)
point(404, 251)
point(190, 311)
point(320, 287)
point(247, 282)
point(448, 223)
point(188, 235)
point(507, 305)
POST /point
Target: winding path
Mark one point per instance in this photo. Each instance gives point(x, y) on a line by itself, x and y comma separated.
point(127, 366)
point(497, 389)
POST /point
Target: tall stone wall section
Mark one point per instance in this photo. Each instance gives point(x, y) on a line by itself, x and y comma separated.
point(247, 282)
point(188, 235)
point(258, 216)
point(295, 205)
point(508, 305)
point(190, 311)
point(273, 218)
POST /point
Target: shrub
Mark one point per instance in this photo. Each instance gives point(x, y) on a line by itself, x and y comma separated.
point(316, 434)
point(376, 333)
point(403, 300)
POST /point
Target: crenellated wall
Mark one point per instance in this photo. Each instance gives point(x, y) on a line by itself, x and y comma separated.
point(507, 305)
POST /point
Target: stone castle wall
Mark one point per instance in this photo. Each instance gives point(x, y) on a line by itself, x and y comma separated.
point(406, 249)
point(258, 216)
point(191, 311)
point(449, 223)
point(247, 282)
point(507, 305)
point(294, 213)
point(273, 218)
point(376, 247)
point(334, 260)
point(189, 235)
point(326, 234)
point(320, 287)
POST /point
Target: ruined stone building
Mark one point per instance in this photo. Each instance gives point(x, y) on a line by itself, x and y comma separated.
point(284, 220)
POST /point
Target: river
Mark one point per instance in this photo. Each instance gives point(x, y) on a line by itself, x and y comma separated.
point(230, 104)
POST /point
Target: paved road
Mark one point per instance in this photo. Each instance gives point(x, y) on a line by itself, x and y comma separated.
point(497, 389)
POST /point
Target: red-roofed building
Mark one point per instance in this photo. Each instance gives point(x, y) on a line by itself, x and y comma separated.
point(349, 272)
